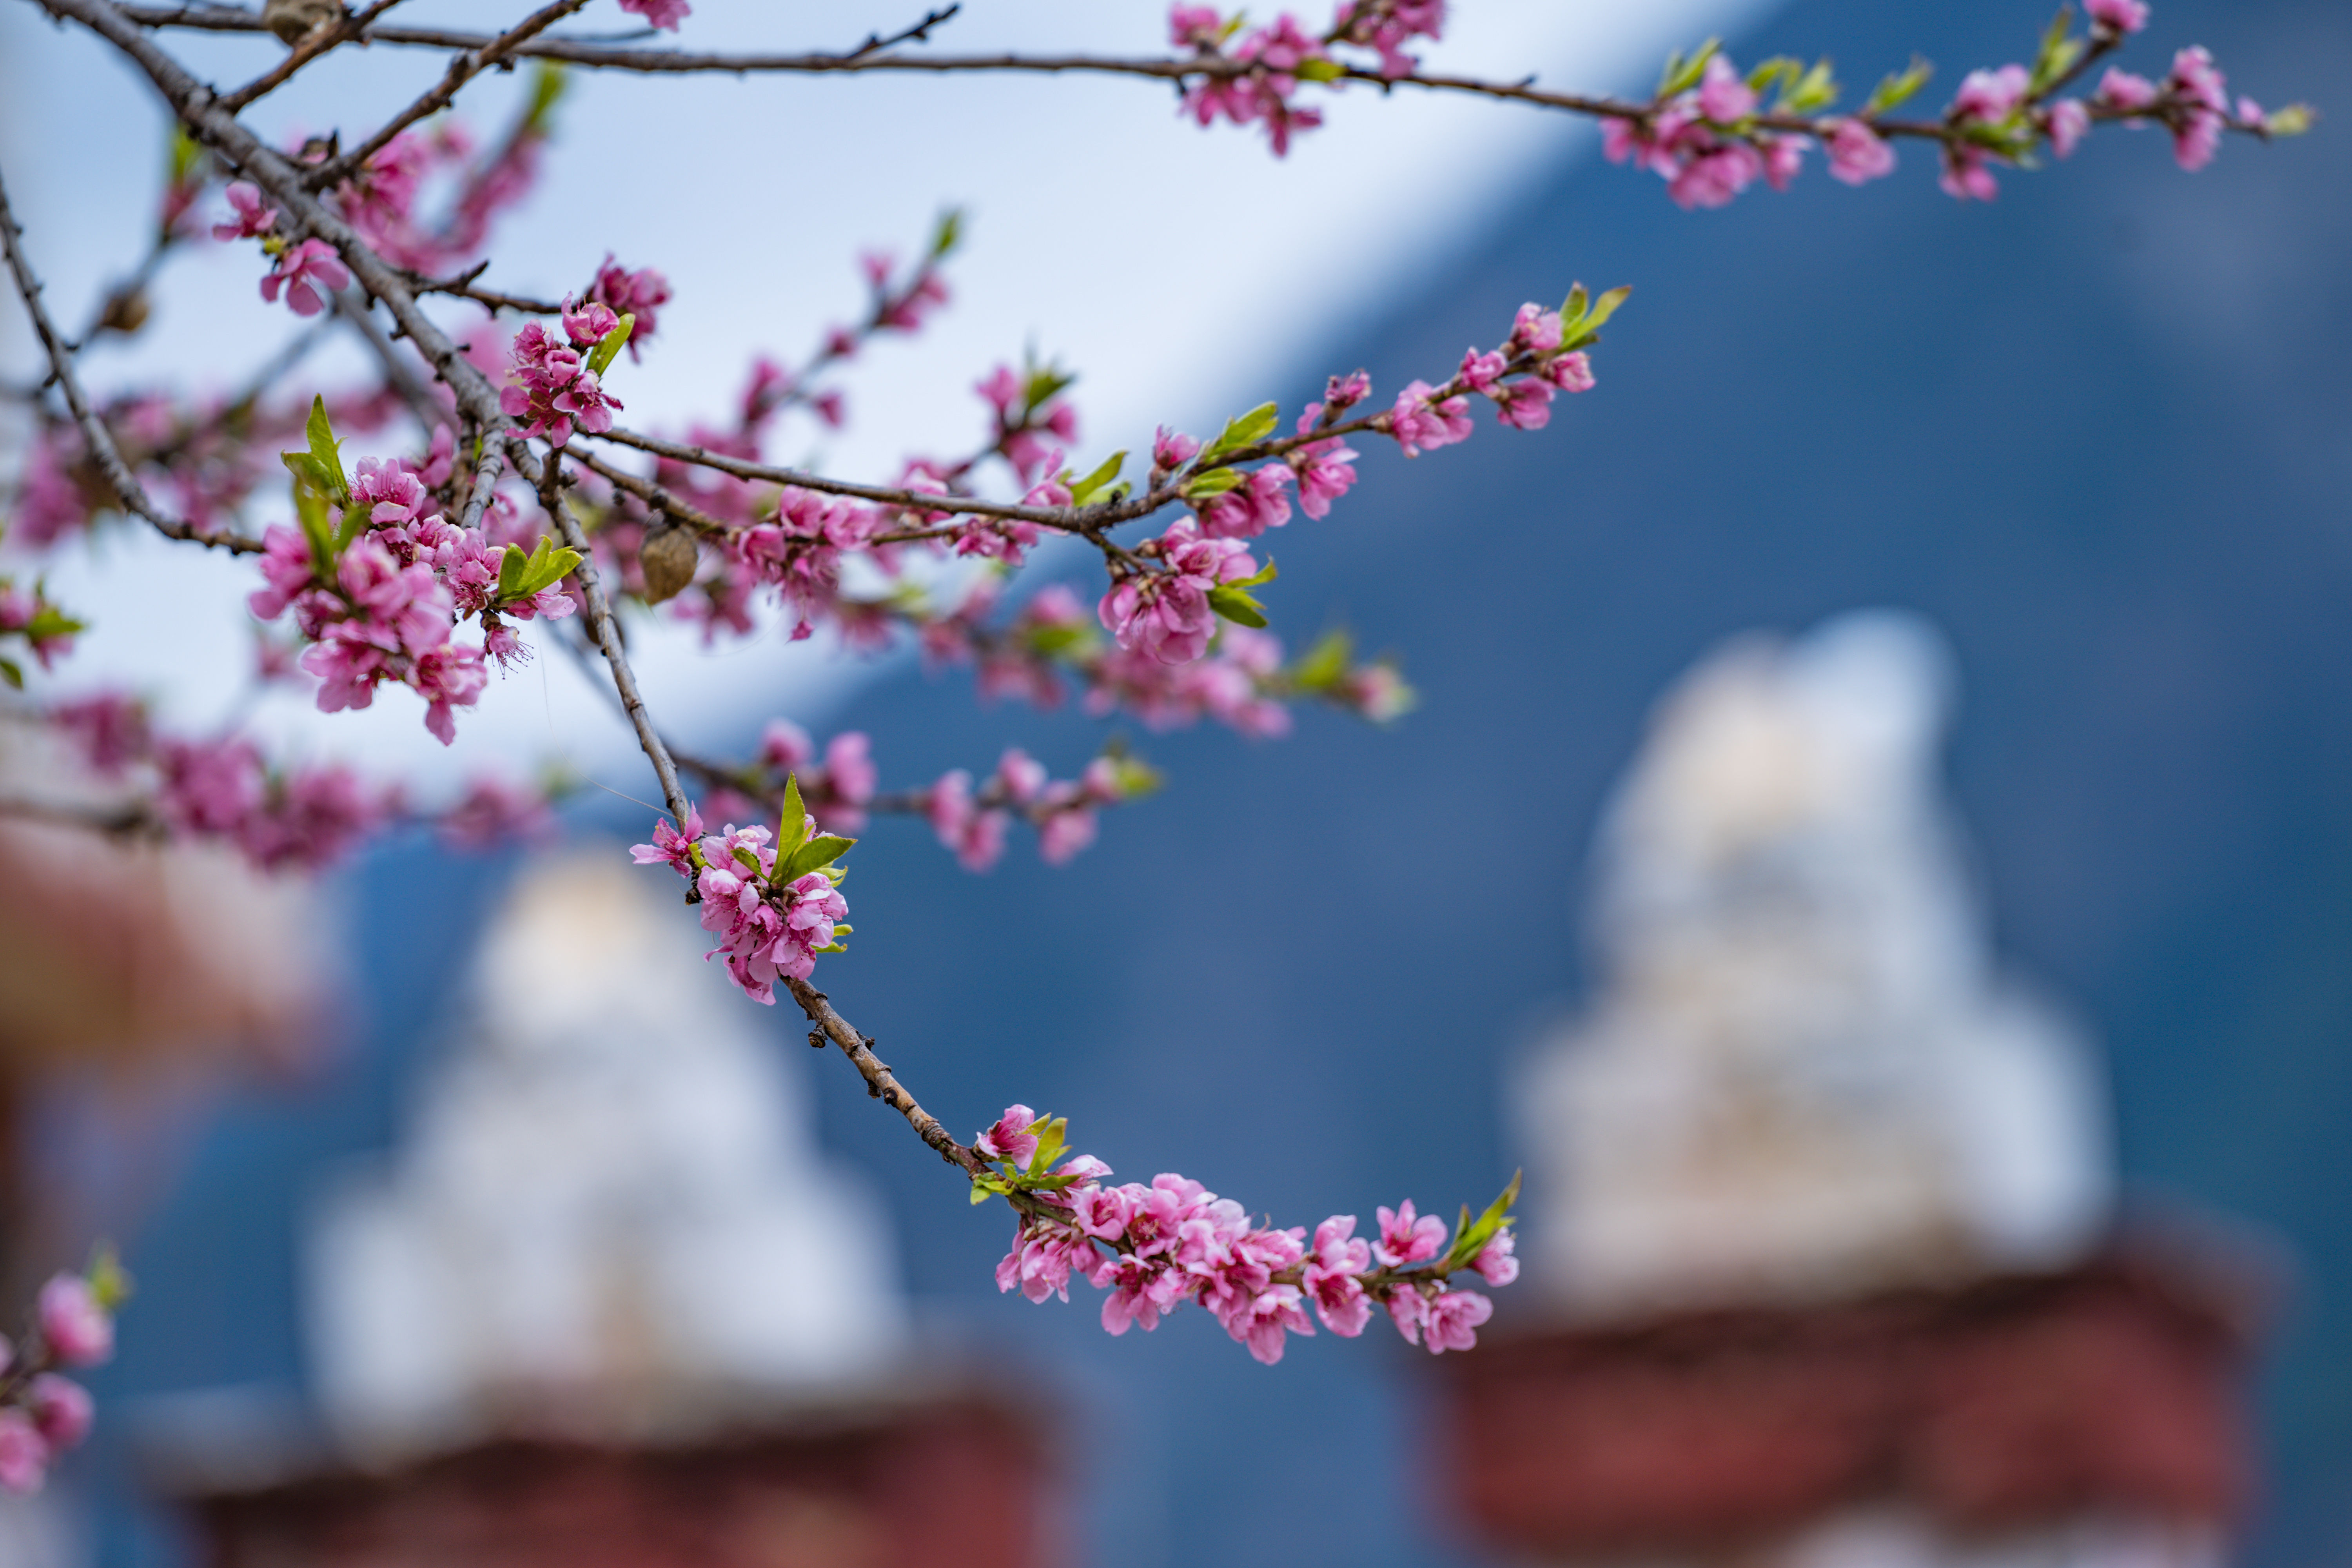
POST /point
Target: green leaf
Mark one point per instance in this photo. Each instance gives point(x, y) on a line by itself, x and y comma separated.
point(792, 828)
point(547, 85)
point(1244, 431)
point(1047, 641)
point(1813, 91)
point(1319, 68)
point(1265, 574)
point(323, 445)
point(1681, 75)
point(1051, 1137)
point(1761, 78)
point(1215, 482)
point(982, 1186)
point(109, 1283)
point(814, 855)
point(2292, 121)
point(1082, 491)
point(948, 234)
point(600, 358)
point(48, 621)
point(13, 673)
point(1237, 605)
point(1323, 665)
point(1472, 1235)
point(1606, 306)
point(310, 512)
point(1896, 90)
point(521, 575)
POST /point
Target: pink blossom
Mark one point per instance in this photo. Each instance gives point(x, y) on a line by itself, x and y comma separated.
point(1535, 330)
point(640, 294)
point(1965, 175)
point(1714, 177)
point(670, 846)
point(1259, 502)
point(2120, 90)
point(1523, 405)
point(1421, 425)
point(1064, 834)
point(61, 1411)
point(1020, 776)
point(1330, 1276)
point(495, 811)
point(1451, 1321)
point(666, 14)
point(112, 732)
point(1784, 159)
point(1406, 1240)
point(976, 836)
point(1326, 469)
point(1857, 153)
point(1991, 96)
point(254, 219)
point(208, 787)
point(1193, 26)
point(1171, 450)
point(2198, 83)
point(306, 272)
point(24, 1457)
point(1724, 94)
point(553, 391)
point(76, 1329)
point(1260, 1320)
point(2120, 16)
point(449, 677)
point(1010, 1138)
point(2069, 121)
point(1166, 614)
point(1497, 1260)
point(1571, 371)
point(1481, 371)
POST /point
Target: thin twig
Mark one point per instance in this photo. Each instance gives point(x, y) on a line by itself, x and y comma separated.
point(303, 53)
point(607, 635)
point(462, 70)
point(94, 434)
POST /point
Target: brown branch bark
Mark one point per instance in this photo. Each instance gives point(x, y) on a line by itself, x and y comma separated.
point(94, 433)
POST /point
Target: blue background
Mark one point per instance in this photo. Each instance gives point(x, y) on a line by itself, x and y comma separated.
point(2097, 431)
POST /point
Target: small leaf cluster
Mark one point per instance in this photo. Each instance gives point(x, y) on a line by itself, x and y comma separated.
point(47, 624)
point(1052, 1133)
point(1471, 1236)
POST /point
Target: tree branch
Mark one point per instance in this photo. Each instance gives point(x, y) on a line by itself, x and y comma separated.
point(94, 434)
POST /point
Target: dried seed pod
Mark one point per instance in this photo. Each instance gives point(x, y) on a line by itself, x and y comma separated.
point(295, 21)
point(669, 558)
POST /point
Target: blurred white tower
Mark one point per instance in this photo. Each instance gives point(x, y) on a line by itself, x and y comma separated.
point(1802, 1074)
point(609, 1218)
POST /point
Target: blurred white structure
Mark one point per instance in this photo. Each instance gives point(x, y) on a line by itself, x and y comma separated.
point(609, 1218)
point(1802, 1074)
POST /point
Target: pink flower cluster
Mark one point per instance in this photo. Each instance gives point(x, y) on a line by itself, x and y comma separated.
point(1387, 26)
point(1165, 614)
point(973, 823)
point(296, 817)
point(306, 270)
point(386, 610)
point(48, 1414)
point(1153, 1248)
point(47, 630)
point(798, 551)
point(1699, 141)
point(1276, 56)
point(2193, 100)
point(553, 391)
point(771, 926)
point(640, 294)
point(665, 14)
